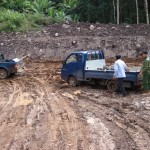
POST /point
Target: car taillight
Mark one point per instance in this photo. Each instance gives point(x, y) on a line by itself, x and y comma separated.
point(15, 66)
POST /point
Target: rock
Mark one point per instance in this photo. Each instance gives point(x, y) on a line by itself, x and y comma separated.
point(40, 50)
point(74, 42)
point(54, 77)
point(58, 44)
point(29, 40)
point(67, 22)
point(56, 34)
point(114, 28)
point(66, 26)
point(68, 95)
point(96, 95)
point(92, 27)
point(65, 85)
point(79, 29)
point(64, 116)
point(78, 92)
point(138, 45)
point(128, 26)
point(2, 44)
point(109, 119)
point(44, 31)
point(99, 28)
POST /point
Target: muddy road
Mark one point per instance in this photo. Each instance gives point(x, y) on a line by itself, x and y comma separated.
point(38, 111)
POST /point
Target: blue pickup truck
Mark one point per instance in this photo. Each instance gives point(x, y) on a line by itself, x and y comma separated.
point(89, 66)
point(8, 67)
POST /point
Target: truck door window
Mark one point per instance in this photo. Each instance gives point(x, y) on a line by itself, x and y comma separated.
point(79, 57)
point(74, 58)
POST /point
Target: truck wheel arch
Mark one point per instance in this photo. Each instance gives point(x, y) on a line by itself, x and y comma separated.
point(3, 73)
point(72, 81)
point(111, 85)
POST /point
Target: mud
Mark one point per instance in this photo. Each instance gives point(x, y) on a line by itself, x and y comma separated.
point(39, 111)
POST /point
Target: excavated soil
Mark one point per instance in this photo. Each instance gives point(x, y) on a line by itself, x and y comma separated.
point(56, 41)
point(39, 111)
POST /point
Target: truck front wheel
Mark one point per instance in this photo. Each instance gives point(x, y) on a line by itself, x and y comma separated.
point(72, 81)
point(3, 74)
point(112, 86)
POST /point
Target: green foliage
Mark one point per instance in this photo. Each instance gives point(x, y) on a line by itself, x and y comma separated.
point(103, 11)
point(95, 10)
point(10, 21)
point(15, 21)
point(24, 15)
point(42, 6)
point(16, 5)
point(68, 6)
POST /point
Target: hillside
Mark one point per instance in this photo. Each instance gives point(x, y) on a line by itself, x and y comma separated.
point(56, 41)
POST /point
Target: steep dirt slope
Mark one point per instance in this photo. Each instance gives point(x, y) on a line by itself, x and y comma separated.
point(56, 41)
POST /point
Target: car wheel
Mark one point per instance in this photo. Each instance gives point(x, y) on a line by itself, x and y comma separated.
point(72, 81)
point(112, 85)
point(3, 74)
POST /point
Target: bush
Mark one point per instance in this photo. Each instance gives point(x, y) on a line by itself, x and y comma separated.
point(10, 21)
point(25, 15)
point(15, 21)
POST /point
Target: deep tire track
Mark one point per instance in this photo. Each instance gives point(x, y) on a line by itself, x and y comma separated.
point(37, 118)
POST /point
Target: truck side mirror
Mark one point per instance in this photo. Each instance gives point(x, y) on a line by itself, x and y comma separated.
point(63, 62)
point(1, 57)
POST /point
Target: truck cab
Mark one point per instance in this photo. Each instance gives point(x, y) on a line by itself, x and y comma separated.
point(75, 64)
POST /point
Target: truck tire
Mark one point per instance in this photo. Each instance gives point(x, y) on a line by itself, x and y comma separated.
point(3, 74)
point(112, 86)
point(72, 81)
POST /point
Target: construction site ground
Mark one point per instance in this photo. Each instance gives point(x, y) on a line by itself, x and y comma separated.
point(39, 111)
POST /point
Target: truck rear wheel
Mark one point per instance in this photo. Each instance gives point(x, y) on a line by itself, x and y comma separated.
point(72, 81)
point(3, 74)
point(112, 85)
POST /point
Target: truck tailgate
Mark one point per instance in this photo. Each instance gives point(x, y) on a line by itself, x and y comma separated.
point(20, 64)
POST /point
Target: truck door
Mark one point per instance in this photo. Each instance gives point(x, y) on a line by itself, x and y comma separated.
point(73, 66)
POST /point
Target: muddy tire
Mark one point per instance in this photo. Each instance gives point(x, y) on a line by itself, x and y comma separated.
point(112, 85)
point(72, 81)
point(3, 74)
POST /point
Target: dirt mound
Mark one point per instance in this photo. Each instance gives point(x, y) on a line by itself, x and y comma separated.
point(56, 41)
point(87, 29)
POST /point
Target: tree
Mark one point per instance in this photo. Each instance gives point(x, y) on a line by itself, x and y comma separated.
point(118, 12)
point(146, 10)
point(114, 7)
point(137, 11)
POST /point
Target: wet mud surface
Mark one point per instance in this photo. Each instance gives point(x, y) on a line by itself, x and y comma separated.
point(38, 111)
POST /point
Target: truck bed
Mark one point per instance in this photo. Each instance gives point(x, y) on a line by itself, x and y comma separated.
point(108, 74)
point(8, 67)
